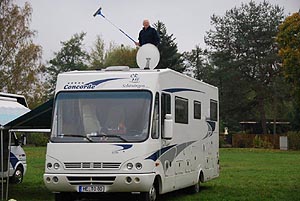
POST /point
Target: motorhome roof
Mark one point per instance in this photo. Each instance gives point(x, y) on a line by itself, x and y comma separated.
point(117, 69)
point(126, 69)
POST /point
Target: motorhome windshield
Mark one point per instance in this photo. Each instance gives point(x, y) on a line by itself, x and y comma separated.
point(101, 116)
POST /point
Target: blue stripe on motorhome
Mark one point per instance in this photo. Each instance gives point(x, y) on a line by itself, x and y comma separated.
point(158, 153)
point(170, 152)
point(173, 153)
point(212, 124)
point(211, 128)
point(13, 159)
point(97, 82)
point(174, 90)
point(124, 146)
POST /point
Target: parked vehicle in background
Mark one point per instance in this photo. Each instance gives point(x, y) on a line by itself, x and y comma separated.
point(13, 106)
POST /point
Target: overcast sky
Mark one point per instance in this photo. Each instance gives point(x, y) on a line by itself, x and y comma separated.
point(188, 20)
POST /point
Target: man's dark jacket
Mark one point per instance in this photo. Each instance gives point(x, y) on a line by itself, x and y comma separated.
point(149, 35)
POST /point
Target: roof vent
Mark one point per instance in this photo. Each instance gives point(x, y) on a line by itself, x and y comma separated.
point(117, 68)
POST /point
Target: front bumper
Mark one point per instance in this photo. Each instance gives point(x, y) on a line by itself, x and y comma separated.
point(110, 182)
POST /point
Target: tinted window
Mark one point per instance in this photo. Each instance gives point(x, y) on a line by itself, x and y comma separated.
point(155, 120)
point(165, 109)
point(213, 110)
point(197, 110)
point(181, 110)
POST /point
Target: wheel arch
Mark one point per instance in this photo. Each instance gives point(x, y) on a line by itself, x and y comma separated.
point(158, 183)
point(21, 166)
point(201, 176)
point(13, 169)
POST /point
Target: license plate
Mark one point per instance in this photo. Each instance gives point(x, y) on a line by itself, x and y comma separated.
point(91, 189)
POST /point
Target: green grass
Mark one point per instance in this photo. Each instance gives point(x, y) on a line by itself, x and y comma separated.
point(32, 188)
point(246, 174)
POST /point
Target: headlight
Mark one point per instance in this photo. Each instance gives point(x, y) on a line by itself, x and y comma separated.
point(49, 165)
point(138, 166)
point(56, 166)
point(129, 166)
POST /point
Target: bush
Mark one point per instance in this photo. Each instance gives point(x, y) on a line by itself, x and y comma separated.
point(294, 140)
point(258, 142)
point(267, 144)
point(37, 139)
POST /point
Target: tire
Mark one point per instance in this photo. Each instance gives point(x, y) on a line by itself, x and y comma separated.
point(149, 196)
point(195, 188)
point(17, 178)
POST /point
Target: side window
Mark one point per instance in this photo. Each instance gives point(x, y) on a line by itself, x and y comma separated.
point(197, 110)
point(213, 110)
point(181, 110)
point(155, 119)
point(165, 109)
point(13, 140)
point(165, 104)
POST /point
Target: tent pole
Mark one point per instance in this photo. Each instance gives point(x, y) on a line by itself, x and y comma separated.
point(2, 173)
point(8, 163)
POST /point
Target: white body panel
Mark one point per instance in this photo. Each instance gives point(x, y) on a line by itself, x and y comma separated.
point(176, 163)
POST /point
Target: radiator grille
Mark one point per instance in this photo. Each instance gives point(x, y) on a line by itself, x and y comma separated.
point(92, 165)
point(72, 165)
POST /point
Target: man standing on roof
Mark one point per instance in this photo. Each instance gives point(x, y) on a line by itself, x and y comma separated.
point(148, 35)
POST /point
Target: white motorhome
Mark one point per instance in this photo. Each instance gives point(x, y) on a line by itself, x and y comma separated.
point(130, 130)
point(13, 106)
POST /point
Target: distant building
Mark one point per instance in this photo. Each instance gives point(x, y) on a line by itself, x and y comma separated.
point(254, 127)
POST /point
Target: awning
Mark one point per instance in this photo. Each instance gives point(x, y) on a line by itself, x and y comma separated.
point(10, 109)
point(38, 118)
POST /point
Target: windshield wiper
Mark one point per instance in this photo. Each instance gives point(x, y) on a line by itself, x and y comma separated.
point(81, 136)
point(118, 136)
point(107, 135)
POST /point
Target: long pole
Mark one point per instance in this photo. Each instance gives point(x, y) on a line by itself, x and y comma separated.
point(8, 161)
point(98, 12)
point(2, 168)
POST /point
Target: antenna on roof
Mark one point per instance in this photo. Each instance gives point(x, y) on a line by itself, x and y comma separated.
point(147, 57)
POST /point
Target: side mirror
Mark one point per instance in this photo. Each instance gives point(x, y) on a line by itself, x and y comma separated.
point(168, 130)
point(23, 139)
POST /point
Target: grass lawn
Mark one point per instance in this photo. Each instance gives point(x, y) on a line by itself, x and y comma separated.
point(32, 188)
point(246, 174)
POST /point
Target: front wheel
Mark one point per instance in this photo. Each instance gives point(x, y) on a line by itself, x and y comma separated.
point(149, 196)
point(17, 178)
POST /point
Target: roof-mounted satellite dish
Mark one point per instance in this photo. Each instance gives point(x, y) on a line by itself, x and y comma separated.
point(147, 56)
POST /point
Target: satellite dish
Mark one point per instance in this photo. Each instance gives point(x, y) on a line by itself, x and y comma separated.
point(147, 56)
